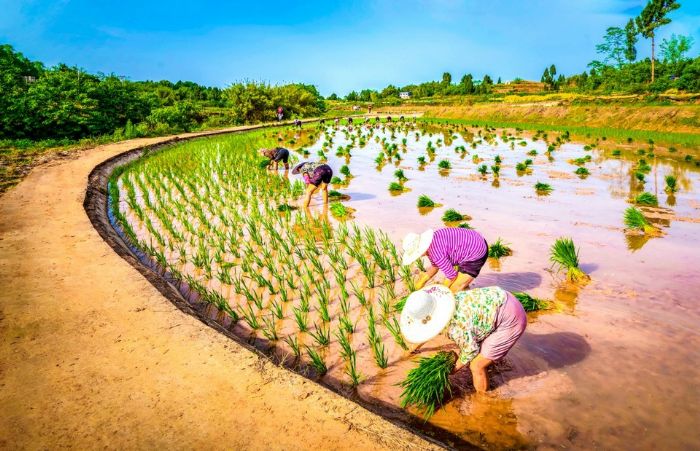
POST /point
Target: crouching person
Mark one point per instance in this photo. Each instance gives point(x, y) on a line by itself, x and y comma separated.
point(276, 155)
point(484, 323)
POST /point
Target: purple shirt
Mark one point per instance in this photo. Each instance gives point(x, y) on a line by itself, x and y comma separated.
point(452, 246)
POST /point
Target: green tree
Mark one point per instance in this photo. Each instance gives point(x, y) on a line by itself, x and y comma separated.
point(630, 41)
point(446, 78)
point(467, 84)
point(613, 46)
point(673, 50)
point(652, 17)
point(333, 96)
point(352, 96)
point(389, 91)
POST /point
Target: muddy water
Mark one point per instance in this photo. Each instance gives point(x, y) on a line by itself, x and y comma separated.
point(615, 363)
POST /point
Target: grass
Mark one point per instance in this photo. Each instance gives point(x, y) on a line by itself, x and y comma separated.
point(425, 202)
point(529, 303)
point(634, 219)
point(543, 188)
point(427, 384)
point(564, 254)
point(452, 215)
point(499, 249)
point(317, 361)
point(646, 198)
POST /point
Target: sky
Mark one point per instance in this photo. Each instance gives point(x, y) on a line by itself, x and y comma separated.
point(337, 46)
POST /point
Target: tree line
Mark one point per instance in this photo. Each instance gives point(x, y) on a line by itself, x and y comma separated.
point(65, 102)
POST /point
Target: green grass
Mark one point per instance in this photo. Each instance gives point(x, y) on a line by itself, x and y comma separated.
point(634, 219)
point(564, 254)
point(425, 202)
point(499, 249)
point(452, 215)
point(427, 384)
point(317, 361)
point(646, 198)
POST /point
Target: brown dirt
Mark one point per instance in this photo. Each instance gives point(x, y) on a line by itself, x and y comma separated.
point(91, 354)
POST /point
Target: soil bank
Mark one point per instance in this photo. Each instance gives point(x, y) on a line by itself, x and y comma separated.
point(91, 354)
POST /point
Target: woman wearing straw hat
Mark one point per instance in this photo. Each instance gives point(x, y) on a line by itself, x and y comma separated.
point(316, 175)
point(447, 249)
point(484, 323)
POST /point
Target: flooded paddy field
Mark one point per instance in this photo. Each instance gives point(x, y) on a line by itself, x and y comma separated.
point(611, 362)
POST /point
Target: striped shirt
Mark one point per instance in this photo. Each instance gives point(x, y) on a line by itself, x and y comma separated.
point(454, 245)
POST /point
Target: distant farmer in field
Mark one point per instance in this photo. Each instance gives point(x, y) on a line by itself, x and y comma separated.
point(316, 175)
point(297, 123)
point(447, 249)
point(276, 155)
point(485, 323)
point(280, 113)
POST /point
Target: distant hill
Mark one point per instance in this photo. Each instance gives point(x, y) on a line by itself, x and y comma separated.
point(518, 87)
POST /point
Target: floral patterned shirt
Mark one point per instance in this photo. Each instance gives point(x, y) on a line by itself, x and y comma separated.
point(310, 167)
point(474, 319)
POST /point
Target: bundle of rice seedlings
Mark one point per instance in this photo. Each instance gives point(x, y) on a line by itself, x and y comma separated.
point(425, 386)
point(565, 255)
point(400, 175)
point(582, 172)
point(265, 162)
point(464, 225)
point(396, 187)
point(283, 208)
point(639, 176)
point(445, 164)
point(671, 184)
point(496, 169)
point(345, 170)
point(452, 215)
point(425, 202)
point(421, 160)
point(483, 169)
point(336, 180)
point(646, 198)
point(543, 188)
point(529, 303)
point(333, 194)
point(339, 210)
point(634, 219)
point(499, 249)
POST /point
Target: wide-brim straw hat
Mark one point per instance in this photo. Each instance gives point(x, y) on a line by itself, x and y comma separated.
point(414, 246)
point(297, 168)
point(426, 313)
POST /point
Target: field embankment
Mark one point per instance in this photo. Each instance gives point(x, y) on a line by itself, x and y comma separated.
point(93, 356)
point(674, 124)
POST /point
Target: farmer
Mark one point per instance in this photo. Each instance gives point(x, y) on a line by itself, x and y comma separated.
point(276, 155)
point(446, 249)
point(316, 175)
point(484, 323)
point(280, 113)
point(297, 123)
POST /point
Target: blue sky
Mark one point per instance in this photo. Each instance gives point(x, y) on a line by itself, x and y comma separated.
point(338, 46)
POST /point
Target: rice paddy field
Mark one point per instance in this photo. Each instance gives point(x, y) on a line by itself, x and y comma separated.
point(610, 350)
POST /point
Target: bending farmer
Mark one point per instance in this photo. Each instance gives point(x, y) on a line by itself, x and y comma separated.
point(316, 175)
point(446, 249)
point(484, 323)
point(276, 155)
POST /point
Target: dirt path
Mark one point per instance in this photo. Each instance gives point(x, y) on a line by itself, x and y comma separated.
point(92, 356)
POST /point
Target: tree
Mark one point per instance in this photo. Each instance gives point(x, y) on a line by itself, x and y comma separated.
point(467, 84)
point(333, 96)
point(499, 81)
point(352, 96)
point(652, 17)
point(446, 78)
point(613, 47)
point(389, 91)
point(673, 50)
point(630, 41)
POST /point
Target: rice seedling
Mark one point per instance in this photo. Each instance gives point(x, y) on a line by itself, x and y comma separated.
point(339, 210)
point(276, 309)
point(425, 202)
point(635, 220)
point(359, 293)
point(392, 325)
point(582, 172)
point(639, 176)
point(336, 180)
point(316, 361)
point(671, 184)
point(529, 303)
point(499, 249)
point(396, 187)
point(646, 198)
point(543, 188)
point(496, 170)
point(322, 335)
point(270, 329)
point(564, 254)
point(400, 175)
point(345, 170)
point(452, 215)
point(250, 318)
point(483, 169)
point(351, 370)
point(445, 165)
point(293, 344)
point(427, 384)
point(301, 318)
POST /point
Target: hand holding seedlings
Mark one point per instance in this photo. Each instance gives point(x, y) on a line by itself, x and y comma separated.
point(274, 156)
point(447, 248)
point(434, 310)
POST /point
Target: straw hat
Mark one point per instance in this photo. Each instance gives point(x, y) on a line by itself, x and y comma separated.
point(414, 246)
point(297, 168)
point(426, 313)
